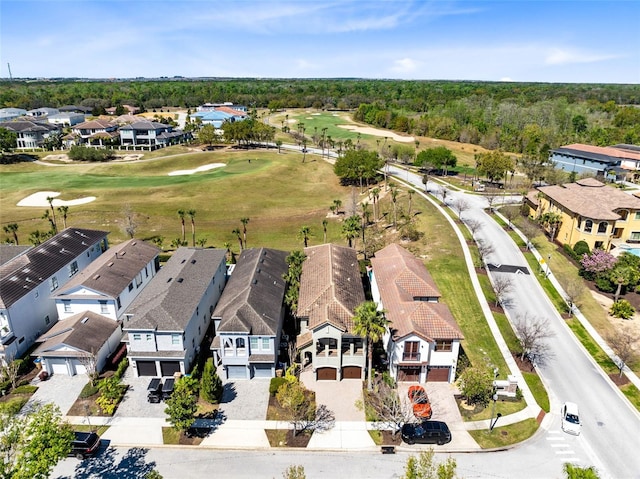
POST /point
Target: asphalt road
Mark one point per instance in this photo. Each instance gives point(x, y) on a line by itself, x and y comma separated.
point(611, 428)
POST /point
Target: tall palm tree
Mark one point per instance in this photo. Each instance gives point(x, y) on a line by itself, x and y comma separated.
point(236, 231)
point(350, 229)
point(64, 210)
point(337, 204)
point(181, 214)
point(304, 234)
point(12, 229)
point(47, 216)
point(192, 215)
point(244, 222)
point(370, 323)
point(227, 247)
point(36, 237)
point(394, 200)
point(410, 194)
point(375, 193)
point(325, 222)
point(54, 226)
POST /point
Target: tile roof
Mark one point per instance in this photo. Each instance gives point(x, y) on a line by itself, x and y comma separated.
point(98, 124)
point(27, 271)
point(252, 300)
point(231, 111)
point(112, 272)
point(400, 278)
point(590, 198)
point(330, 286)
point(84, 332)
point(168, 301)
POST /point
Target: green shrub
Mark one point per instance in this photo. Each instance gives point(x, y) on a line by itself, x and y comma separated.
point(163, 258)
point(580, 248)
point(622, 309)
point(82, 153)
point(211, 387)
point(605, 285)
point(88, 390)
point(275, 385)
point(13, 405)
point(122, 367)
point(25, 389)
point(570, 252)
point(5, 385)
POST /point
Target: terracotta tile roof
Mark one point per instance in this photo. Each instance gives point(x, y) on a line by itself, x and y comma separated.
point(94, 125)
point(231, 111)
point(392, 267)
point(330, 286)
point(590, 198)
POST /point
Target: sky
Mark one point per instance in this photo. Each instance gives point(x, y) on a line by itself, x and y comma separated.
point(587, 41)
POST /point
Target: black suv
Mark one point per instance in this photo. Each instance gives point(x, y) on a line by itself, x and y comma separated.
point(85, 444)
point(426, 432)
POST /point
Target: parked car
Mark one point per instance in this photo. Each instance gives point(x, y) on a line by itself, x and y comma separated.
point(85, 444)
point(420, 402)
point(154, 390)
point(570, 418)
point(167, 388)
point(426, 432)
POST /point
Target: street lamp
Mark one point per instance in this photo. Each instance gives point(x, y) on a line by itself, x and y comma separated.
point(548, 268)
point(492, 423)
point(87, 413)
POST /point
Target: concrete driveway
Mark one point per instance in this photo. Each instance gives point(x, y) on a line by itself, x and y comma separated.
point(245, 399)
point(59, 389)
point(339, 396)
point(134, 403)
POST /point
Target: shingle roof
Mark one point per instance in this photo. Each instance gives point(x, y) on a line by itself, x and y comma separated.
point(252, 299)
point(25, 272)
point(112, 272)
point(86, 332)
point(10, 251)
point(145, 125)
point(602, 153)
point(98, 124)
point(590, 198)
point(168, 301)
point(330, 286)
point(401, 277)
point(20, 126)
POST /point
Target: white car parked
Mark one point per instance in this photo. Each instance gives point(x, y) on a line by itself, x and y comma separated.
point(570, 418)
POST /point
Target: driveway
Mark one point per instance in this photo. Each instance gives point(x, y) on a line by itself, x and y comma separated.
point(339, 396)
point(134, 403)
point(59, 389)
point(245, 399)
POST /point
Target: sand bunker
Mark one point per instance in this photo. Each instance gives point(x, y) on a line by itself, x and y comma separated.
point(375, 132)
point(40, 200)
point(197, 170)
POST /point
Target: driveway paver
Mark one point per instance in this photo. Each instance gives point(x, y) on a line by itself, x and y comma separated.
point(245, 399)
point(59, 389)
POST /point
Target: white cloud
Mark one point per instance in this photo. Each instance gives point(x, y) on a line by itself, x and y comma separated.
point(557, 56)
point(506, 79)
point(405, 65)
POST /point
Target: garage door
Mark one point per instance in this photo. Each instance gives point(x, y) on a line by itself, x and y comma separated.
point(352, 372)
point(262, 371)
point(146, 368)
point(58, 366)
point(438, 374)
point(168, 368)
point(236, 372)
point(326, 374)
point(78, 367)
point(409, 373)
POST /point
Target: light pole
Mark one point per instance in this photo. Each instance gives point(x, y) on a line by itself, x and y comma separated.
point(87, 414)
point(548, 267)
point(492, 423)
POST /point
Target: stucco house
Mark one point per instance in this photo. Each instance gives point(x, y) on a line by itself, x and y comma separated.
point(28, 280)
point(111, 283)
point(78, 344)
point(422, 341)
point(146, 134)
point(66, 118)
point(166, 324)
point(330, 290)
point(590, 211)
point(250, 315)
point(7, 114)
point(43, 112)
point(617, 162)
point(95, 132)
point(30, 134)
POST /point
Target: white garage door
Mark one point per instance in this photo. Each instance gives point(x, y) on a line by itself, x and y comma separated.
point(78, 367)
point(236, 372)
point(262, 371)
point(58, 366)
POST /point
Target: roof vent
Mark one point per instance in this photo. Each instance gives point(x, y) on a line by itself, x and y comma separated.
point(180, 280)
point(193, 261)
point(110, 263)
point(85, 319)
point(183, 261)
point(255, 281)
point(134, 243)
point(169, 280)
point(97, 276)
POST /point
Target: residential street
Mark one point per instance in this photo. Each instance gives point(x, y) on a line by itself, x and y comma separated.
point(611, 428)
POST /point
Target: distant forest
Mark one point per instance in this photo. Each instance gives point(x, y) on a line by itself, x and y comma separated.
point(526, 118)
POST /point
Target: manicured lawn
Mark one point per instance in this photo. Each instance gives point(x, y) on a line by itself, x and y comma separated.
point(538, 390)
point(502, 406)
point(504, 436)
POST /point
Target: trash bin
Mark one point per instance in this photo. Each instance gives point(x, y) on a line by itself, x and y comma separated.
point(38, 363)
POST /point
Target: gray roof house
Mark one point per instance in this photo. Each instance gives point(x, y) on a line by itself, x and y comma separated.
point(27, 281)
point(250, 315)
point(31, 134)
point(167, 322)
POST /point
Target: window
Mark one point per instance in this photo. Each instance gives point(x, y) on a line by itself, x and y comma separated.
point(411, 351)
point(67, 305)
point(54, 283)
point(149, 337)
point(46, 320)
point(138, 279)
point(73, 268)
point(137, 337)
point(175, 339)
point(444, 345)
point(193, 342)
point(146, 272)
point(588, 225)
point(103, 307)
point(638, 215)
point(118, 302)
point(240, 343)
point(197, 311)
point(624, 214)
point(265, 343)
point(253, 342)
point(130, 286)
point(602, 227)
point(635, 236)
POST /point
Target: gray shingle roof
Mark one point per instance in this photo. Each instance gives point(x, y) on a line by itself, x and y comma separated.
point(252, 300)
point(85, 331)
point(112, 272)
point(168, 301)
point(10, 251)
point(26, 272)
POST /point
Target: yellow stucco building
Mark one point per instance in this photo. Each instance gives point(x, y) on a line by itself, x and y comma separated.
point(590, 211)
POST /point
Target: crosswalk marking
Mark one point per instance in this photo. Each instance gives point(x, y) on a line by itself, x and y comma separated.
point(565, 452)
point(555, 444)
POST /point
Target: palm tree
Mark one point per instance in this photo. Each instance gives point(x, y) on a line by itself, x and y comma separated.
point(227, 247)
point(410, 194)
point(181, 214)
point(36, 237)
point(201, 242)
point(64, 210)
point(304, 234)
point(12, 229)
point(47, 216)
point(192, 215)
point(244, 222)
point(370, 323)
point(394, 198)
point(236, 231)
point(376, 195)
point(325, 222)
point(54, 226)
point(350, 229)
point(338, 204)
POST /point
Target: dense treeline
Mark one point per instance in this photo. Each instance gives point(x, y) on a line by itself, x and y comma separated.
point(529, 118)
